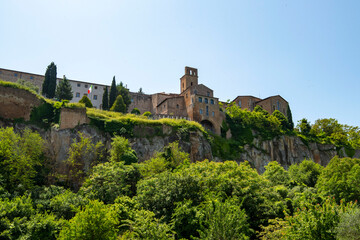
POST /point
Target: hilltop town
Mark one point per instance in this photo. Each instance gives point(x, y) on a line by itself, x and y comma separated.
point(195, 101)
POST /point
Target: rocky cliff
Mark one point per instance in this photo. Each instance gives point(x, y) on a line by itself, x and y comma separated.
point(288, 150)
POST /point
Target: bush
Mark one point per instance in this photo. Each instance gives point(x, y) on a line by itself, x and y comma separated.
point(121, 151)
point(135, 111)
point(85, 100)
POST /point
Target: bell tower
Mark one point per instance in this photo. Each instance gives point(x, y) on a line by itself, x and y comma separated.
point(189, 79)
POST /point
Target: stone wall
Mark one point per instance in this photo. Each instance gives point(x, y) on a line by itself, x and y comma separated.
point(72, 117)
point(17, 103)
point(140, 101)
point(273, 103)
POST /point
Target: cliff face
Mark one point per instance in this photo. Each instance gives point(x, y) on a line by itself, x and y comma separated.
point(288, 150)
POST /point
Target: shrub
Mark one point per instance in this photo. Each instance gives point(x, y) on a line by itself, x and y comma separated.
point(85, 100)
point(135, 111)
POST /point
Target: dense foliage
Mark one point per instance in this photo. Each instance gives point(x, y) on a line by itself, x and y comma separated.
point(167, 197)
point(105, 99)
point(113, 93)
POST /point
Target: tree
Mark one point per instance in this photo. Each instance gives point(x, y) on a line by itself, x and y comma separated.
point(49, 85)
point(307, 172)
point(85, 100)
point(19, 158)
point(140, 91)
point(105, 100)
point(276, 174)
point(96, 221)
point(289, 118)
point(341, 179)
point(121, 151)
point(135, 111)
point(349, 226)
point(304, 127)
point(119, 105)
point(63, 90)
point(113, 93)
point(124, 92)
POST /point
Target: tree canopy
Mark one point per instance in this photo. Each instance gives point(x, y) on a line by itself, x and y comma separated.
point(64, 90)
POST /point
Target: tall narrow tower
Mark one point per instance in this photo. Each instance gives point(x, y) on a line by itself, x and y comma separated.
point(189, 79)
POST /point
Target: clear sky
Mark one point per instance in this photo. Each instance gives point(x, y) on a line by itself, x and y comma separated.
point(306, 51)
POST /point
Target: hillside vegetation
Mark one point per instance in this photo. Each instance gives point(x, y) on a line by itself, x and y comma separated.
point(167, 197)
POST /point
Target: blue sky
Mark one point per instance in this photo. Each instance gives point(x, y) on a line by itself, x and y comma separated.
point(306, 51)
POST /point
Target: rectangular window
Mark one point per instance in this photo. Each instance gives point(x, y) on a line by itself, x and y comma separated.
point(31, 77)
point(213, 114)
point(15, 74)
point(206, 101)
point(95, 87)
point(212, 101)
point(79, 85)
point(95, 97)
point(201, 111)
point(200, 99)
point(77, 94)
point(239, 103)
point(207, 110)
point(0, 72)
point(208, 94)
point(86, 86)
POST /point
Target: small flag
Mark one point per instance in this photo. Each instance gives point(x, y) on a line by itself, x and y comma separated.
point(90, 89)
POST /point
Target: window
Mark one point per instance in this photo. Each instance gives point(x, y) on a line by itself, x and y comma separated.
point(195, 91)
point(206, 101)
point(191, 83)
point(239, 103)
point(208, 94)
point(132, 100)
point(31, 77)
point(278, 105)
point(77, 94)
point(200, 99)
point(15, 74)
point(212, 101)
point(86, 86)
point(95, 87)
point(201, 111)
point(0, 72)
point(95, 97)
point(79, 85)
point(177, 106)
point(207, 110)
point(213, 114)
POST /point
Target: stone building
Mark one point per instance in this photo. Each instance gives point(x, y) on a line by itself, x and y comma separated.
point(79, 88)
point(269, 104)
point(195, 102)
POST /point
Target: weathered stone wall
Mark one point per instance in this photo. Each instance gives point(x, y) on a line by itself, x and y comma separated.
point(273, 103)
point(13, 76)
point(72, 117)
point(140, 101)
point(17, 103)
point(246, 102)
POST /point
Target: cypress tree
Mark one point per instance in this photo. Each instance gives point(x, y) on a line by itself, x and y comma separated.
point(49, 85)
point(105, 100)
point(113, 93)
point(52, 80)
point(289, 119)
point(124, 92)
point(119, 105)
point(63, 90)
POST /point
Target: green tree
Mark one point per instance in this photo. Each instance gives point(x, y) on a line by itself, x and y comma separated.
point(276, 174)
point(224, 220)
point(124, 93)
point(341, 179)
point(105, 100)
point(82, 155)
point(282, 119)
point(96, 221)
point(113, 93)
point(85, 100)
point(304, 127)
point(63, 90)
point(147, 114)
point(121, 151)
point(19, 158)
point(111, 180)
point(307, 172)
point(119, 105)
point(49, 84)
point(140, 91)
point(135, 111)
point(349, 226)
point(289, 119)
